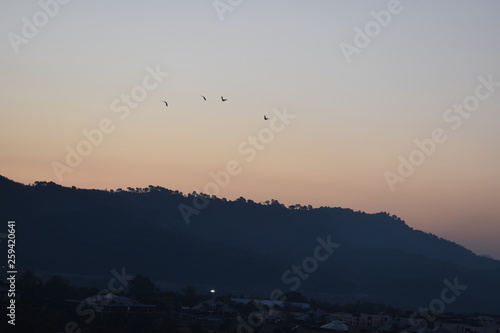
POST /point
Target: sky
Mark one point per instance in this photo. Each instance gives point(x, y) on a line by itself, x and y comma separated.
point(373, 105)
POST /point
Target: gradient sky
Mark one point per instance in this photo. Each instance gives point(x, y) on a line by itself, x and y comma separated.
point(353, 120)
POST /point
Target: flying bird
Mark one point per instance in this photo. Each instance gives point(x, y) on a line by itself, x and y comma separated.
point(266, 118)
point(223, 99)
point(165, 103)
point(204, 98)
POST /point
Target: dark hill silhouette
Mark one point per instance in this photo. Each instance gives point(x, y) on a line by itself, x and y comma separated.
point(241, 245)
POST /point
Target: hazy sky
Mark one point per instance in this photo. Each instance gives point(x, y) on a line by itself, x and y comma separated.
point(362, 79)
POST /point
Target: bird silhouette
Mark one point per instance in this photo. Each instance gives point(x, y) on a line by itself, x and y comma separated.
point(204, 98)
point(223, 99)
point(165, 103)
point(266, 118)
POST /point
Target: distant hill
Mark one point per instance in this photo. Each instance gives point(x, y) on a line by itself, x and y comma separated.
point(242, 245)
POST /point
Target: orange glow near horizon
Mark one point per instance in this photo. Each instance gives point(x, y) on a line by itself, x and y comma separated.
point(352, 120)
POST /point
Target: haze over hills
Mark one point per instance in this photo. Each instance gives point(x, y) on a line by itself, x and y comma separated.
point(243, 246)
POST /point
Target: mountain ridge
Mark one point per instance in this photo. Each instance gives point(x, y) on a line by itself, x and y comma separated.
point(240, 244)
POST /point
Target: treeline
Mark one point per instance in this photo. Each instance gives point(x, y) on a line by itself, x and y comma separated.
point(163, 190)
point(42, 306)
